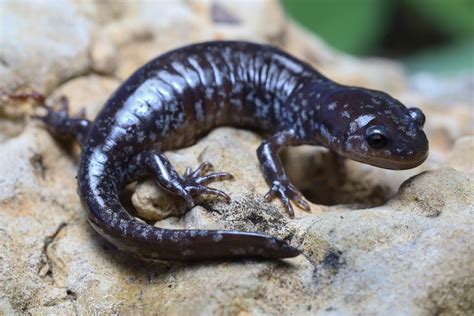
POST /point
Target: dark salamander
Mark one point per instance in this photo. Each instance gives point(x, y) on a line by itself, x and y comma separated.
point(180, 96)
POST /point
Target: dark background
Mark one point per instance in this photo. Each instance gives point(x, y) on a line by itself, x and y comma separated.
point(426, 35)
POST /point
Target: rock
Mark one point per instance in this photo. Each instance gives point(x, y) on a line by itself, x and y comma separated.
point(153, 204)
point(460, 158)
point(42, 44)
point(375, 242)
point(448, 187)
point(444, 100)
point(87, 93)
point(249, 22)
point(391, 246)
point(330, 180)
point(104, 55)
point(449, 89)
point(140, 36)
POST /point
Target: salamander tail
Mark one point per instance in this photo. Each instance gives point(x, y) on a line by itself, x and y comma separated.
point(99, 194)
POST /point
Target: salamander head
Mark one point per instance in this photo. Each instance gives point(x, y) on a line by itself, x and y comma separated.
point(379, 130)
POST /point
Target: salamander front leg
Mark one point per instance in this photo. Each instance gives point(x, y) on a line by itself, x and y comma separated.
point(275, 175)
point(192, 183)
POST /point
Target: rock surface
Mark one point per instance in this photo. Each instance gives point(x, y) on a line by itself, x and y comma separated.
point(383, 241)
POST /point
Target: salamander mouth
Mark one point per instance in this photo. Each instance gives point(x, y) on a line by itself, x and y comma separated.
point(392, 164)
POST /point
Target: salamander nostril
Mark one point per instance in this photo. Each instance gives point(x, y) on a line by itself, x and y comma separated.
point(417, 115)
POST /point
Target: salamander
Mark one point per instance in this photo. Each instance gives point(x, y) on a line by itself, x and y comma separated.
point(178, 97)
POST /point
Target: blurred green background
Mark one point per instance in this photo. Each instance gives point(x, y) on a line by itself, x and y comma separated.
point(429, 35)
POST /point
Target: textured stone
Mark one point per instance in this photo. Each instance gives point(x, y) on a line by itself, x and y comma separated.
point(43, 43)
point(104, 55)
point(375, 242)
point(461, 157)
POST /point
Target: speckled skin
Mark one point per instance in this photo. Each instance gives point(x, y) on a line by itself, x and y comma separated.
point(178, 97)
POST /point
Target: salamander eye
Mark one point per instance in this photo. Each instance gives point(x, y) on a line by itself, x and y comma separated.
point(417, 115)
point(376, 136)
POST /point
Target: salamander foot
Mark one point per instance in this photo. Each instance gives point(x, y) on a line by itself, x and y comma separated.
point(195, 181)
point(287, 192)
point(62, 125)
point(190, 184)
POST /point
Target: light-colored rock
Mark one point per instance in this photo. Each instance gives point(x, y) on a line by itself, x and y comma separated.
point(250, 22)
point(461, 157)
point(43, 43)
point(141, 36)
point(385, 242)
point(152, 204)
point(104, 55)
point(449, 89)
point(87, 93)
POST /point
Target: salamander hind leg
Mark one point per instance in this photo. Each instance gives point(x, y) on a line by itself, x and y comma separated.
point(192, 183)
point(196, 180)
point(287, 193)
point(63, 126)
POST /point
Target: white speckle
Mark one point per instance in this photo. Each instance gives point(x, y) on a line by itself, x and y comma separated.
point(209, 93)
point(99, 156)
point(123, 227)
point(217, 237)
point(345, 114)
point(353, 127)
point(325, 133)
point(364, 120)
point(289, 63)
point(376, 101)
point(332, 106)
point(141, 136)
point(175, 237)
point(145, 233)
point(271, 243)
point(199, 110)
point(411, 132)
point(238, 251)
point(187, 252)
